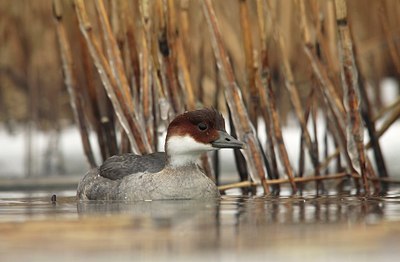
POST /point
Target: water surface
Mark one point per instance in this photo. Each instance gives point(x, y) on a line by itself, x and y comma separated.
point(327, 228)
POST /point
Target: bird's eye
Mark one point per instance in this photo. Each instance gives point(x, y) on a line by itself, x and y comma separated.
point(202, 126)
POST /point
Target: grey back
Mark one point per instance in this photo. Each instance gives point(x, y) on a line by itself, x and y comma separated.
point(119, 166)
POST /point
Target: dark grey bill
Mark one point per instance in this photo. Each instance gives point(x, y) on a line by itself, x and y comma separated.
point(226, 141)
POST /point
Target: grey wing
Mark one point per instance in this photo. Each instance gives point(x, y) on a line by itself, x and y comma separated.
point(119, 166)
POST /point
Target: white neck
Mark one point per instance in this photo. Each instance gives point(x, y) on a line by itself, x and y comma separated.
point(184, 150)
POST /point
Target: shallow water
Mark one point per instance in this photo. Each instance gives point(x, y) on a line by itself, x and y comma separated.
point(329, 228)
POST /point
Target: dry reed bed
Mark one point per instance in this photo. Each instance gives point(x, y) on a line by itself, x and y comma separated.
point(136, 75)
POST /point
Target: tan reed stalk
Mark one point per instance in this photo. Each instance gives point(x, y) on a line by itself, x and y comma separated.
point(253, 98)
point(156, 51)
point(113, 54)
point(328, 89)
point(314, 115)
point(261, 26)
point(274, 126)
point(326, 142)
point(326, 39)
point(335, 109)
point(306, 117)
point(93, 95)
point(168, 52)
point(263, 84)
point(250, 89)
point(297, 180)
point(306, 36)
point(393, 50)
point(268, 100)
point(295, 99)
point(108, 121)
point(324, 74)
point(233, 96)
point(172, 25)
point(305, 30)
point(320, 71)
point(146, 94)
point(293, 92)
point(301, 152)
point(338, 134)
point(183, 67)
point(107, 147)
point(75, 93)
point(131, 42)
point(161, 103)
point(349, 70)
point(366, 111)
point(184, 26)
point(331, 38)
point(160, 27)
point(305, 179)
point(266, 111)
point(123, 112)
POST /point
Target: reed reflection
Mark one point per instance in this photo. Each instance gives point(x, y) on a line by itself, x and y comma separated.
point(323, 210)
point(238, 211)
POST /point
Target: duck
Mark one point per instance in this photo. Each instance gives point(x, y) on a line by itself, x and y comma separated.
point(170, 175)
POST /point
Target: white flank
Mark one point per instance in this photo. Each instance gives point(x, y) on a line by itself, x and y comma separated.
point(184, 150)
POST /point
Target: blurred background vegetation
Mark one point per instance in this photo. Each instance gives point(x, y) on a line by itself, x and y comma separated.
point(31, 80)
point(32, 90)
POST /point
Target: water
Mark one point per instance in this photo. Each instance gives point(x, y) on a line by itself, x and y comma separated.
point(330, 228)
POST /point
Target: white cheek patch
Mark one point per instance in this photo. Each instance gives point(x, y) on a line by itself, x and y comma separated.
point(184, 150)
point(178, 145)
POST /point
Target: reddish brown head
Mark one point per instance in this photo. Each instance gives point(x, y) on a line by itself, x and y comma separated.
point(202, 125)
point(196, 132)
